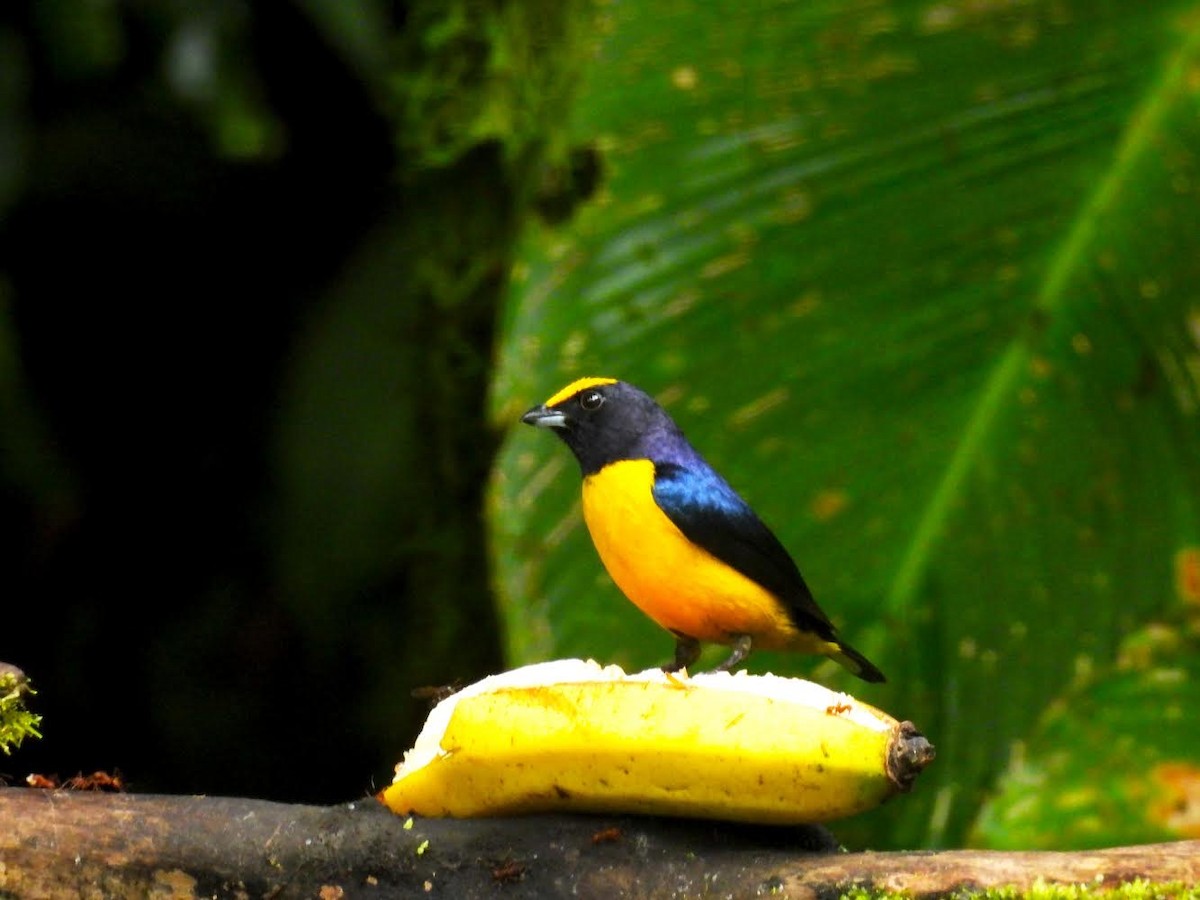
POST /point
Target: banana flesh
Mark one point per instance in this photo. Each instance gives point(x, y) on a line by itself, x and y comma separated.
point(571, 735)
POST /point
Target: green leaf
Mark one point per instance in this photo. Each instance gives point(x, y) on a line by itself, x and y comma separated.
point(1116, 762)
point(923, 282)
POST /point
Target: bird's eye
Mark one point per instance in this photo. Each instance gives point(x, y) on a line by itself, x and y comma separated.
point(591, 400)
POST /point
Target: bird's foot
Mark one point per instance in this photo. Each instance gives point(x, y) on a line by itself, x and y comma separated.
point(741, 649)
point(687, 651)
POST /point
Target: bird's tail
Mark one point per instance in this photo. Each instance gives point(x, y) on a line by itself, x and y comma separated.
point(856, 663)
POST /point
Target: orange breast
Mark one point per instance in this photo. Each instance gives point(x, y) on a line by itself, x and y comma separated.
point(677, 584)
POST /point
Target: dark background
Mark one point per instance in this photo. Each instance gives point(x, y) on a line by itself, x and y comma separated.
point(169, 258)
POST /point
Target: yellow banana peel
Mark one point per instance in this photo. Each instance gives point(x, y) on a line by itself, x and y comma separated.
point(571, 735)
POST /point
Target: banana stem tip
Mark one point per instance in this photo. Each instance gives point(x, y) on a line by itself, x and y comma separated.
point(908, 755)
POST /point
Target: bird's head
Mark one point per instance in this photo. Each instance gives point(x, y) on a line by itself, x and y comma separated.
point(603, 420)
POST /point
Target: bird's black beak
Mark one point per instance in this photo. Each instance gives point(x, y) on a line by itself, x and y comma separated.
point(545, 417)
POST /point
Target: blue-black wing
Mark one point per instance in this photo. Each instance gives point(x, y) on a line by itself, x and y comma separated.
point(712, 515)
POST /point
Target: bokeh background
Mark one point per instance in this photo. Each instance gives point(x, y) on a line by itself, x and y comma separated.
point(921, 278)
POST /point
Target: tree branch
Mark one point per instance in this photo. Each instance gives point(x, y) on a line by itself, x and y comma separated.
point(58, 843)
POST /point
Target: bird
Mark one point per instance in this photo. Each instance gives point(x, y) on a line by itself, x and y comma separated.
point(678, 541)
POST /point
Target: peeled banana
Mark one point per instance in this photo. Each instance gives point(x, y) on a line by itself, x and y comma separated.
point(571, 735)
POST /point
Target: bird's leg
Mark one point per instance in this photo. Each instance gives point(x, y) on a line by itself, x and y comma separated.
point(741, 649)
point(687, 651)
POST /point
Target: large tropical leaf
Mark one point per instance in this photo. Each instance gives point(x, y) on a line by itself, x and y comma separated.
point(923, 281)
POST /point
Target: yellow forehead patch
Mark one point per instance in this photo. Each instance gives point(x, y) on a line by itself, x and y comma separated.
point(575, 387)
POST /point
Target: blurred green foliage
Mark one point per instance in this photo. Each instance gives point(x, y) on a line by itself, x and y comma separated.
point(922, 280)
point(1117, 755)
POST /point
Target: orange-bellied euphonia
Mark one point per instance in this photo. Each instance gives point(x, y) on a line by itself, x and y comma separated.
point(677, 539)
